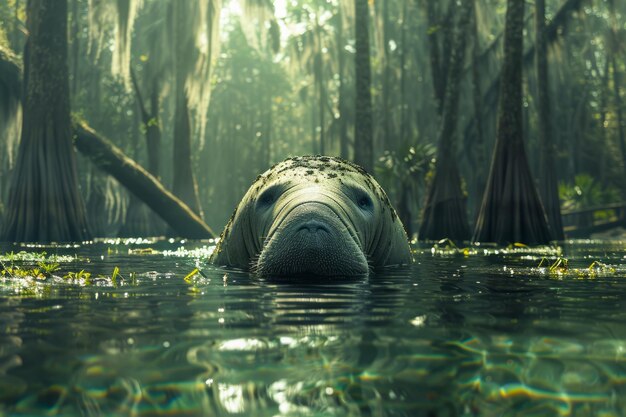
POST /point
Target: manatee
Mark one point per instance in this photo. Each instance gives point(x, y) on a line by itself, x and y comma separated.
point(313, 215)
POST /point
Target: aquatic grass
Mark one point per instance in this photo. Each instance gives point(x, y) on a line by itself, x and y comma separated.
point(48, 268)
point(80, 276)
point(189, 277)
point(115, 275)
point(559, 268)
point(50, 273)
point(446, 247)
point(196, 279)
point(117, 279)
point(15, 272)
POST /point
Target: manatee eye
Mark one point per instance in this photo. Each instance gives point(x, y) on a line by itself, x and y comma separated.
point(365, 202)
point(268, 197)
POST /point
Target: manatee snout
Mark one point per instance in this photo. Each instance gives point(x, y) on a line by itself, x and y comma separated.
point(312, 239)
point(313, 226)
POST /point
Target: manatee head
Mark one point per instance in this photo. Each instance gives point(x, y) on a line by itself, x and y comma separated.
point(313, 215)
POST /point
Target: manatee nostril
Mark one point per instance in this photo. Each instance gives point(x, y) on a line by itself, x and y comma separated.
point(314, 226)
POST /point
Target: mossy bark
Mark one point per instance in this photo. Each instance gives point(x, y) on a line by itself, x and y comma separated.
point(511, 209)
point(45, 204)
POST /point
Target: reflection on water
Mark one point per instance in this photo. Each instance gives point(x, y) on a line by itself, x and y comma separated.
point(450, 336)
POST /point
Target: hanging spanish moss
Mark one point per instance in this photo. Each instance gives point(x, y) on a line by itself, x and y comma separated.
point(118, 17)
point(258, 24)
point(194, 42)
point(10, 110)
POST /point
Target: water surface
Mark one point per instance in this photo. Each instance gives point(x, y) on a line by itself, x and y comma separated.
point(481, 334)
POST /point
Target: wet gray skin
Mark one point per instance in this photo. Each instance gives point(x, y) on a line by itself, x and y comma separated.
point(318, 216)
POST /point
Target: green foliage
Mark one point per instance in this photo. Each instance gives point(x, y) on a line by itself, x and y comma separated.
point(408, 166)
point(406, 172)
point(42, 271)
point(79, 276)
point(586, 192)
point(189, 277)
point(39, 267)
point(4, 42)
point(115, 275)
point(412, 161)
point(48, 268)
point(559, 268)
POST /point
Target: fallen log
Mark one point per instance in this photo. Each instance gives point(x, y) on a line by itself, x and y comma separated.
point(140, 182)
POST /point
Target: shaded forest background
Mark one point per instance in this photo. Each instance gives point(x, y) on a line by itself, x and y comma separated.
point(206, 95)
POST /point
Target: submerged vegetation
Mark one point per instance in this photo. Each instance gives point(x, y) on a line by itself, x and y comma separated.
point(31, 269)
point(38, 268)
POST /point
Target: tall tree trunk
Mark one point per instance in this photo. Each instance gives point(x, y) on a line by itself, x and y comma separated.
point(433, 46)
point(478, 153)
point(16, 27)
point(10, 103)
point(153, 132)
point(319, 82)
point(387, 137)
point(363, 124)
point(151, 124)
point(75, 46)
point(511, 210)
point(185, 185)
point(613, 50)
point(405, 205)
point(403, 103)
point(343, 122)
point(267, 142)
point(547, 175)
point(314, 142)
point(139, 219)
point(618, 109)
point(44, 202)
point(439, 44)
point(604, 100)
point(445, 214)
point(558, 24)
